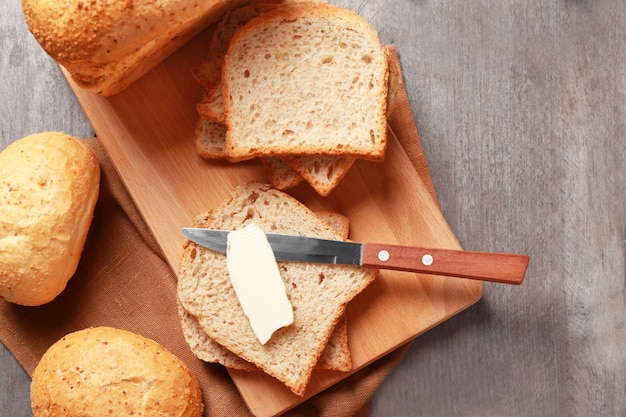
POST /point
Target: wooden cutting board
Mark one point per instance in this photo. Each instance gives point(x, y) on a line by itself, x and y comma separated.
point(148, 132)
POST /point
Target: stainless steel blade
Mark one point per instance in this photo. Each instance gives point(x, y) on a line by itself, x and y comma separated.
point(287, 247)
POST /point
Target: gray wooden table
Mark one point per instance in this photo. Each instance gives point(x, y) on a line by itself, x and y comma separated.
point(521, 107)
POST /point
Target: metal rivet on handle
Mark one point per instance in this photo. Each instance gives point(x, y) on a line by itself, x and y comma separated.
point(383, 256)
point(427, 259)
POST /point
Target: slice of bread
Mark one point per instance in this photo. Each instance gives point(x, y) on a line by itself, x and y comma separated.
point(308, 79)
point(395, 81)
point(209, 138)
point(319, 293)
point(322, 172)
point(336, 355)
point(205, 348)
point(211, 134)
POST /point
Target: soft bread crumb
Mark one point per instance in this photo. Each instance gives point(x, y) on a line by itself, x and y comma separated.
point(307, 79)
point(49, 185)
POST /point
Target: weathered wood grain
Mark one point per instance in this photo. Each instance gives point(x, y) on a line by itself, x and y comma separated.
point(521, 108)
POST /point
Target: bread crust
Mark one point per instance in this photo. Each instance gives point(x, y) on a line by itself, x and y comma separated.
point(103, 371)
point(49, 184)
point(107, 45)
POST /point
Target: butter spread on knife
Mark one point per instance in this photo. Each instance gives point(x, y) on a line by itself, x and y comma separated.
point(257, 282)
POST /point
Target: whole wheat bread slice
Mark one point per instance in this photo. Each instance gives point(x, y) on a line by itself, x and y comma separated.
point(323, 173)
point(336, 355)
point(210, 143)
point(319, 293)
point(307, 79)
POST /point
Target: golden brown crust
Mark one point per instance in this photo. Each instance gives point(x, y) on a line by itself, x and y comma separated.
point(103, 371)
point(107, 45)
point(49, 184)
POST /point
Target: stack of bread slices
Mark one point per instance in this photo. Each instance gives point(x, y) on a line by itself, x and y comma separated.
point(301, 85)
point(214, 323)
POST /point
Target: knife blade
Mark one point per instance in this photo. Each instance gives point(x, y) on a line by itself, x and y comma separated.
point(484, 266)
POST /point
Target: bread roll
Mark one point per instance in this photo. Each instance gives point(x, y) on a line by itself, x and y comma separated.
point(49, 184)
point(107, 45)
point(103, 371)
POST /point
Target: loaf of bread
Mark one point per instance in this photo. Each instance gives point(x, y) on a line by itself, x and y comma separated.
point(336, 355)
point(319, 293)
point(103, 371)
point(306, 79)
point(107, 45)
point(49, 184)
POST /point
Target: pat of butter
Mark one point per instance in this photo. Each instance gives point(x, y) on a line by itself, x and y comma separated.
point(257, 282)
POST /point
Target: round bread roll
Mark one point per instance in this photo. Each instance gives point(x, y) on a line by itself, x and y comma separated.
point(102, 371)
point(49, 184)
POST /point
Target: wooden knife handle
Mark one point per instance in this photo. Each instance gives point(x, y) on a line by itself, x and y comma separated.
point(483, 266)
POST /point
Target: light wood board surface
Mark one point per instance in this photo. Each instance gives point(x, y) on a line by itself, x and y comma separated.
point(520, 108)
point(147, 131)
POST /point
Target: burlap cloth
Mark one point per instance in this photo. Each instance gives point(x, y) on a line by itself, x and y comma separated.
point(124, 281)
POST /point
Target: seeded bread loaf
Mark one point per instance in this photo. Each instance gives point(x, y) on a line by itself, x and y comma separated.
point(318, 293)
point(103, 371)
point(307, 79)
point(107, 45)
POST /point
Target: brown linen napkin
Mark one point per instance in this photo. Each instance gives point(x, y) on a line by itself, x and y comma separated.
point(124, 281)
